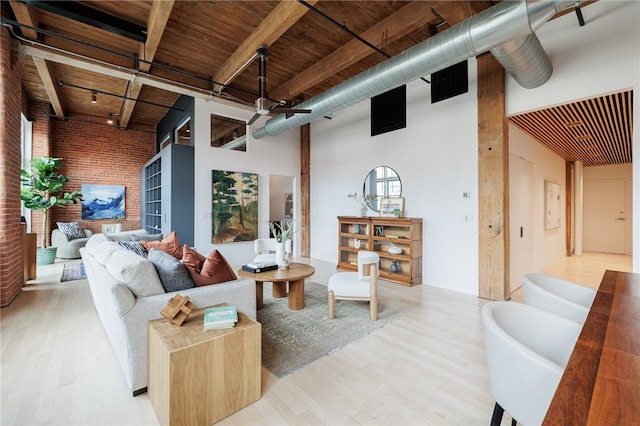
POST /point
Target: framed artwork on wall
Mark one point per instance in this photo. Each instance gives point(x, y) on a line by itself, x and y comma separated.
point(102, 201)
point(551, 205)
point(392, 207)
point(234, 203)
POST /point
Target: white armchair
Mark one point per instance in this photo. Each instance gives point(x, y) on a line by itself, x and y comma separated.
point(265, 249)
point(559, 296)
point(361, 285)
point(527, 351)
point(68, 249)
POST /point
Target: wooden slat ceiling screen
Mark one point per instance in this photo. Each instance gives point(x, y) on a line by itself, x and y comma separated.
point(595, 131)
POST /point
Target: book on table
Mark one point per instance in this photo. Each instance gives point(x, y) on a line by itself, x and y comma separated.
point(220, 317)
point(257, 267)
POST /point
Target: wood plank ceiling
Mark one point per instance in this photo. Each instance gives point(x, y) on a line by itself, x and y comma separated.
point(595, 131)
point(136, 57)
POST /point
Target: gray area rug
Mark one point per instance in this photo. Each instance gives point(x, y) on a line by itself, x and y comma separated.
point(293, 339)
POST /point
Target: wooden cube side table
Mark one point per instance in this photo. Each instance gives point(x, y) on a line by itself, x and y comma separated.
point(198, 377)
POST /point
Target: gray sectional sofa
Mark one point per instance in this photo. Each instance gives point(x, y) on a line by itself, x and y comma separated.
point(127, 294)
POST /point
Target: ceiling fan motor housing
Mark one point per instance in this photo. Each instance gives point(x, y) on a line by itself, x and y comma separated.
point(262, 106)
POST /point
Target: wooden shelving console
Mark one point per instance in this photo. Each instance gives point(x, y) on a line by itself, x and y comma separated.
point(379, 234)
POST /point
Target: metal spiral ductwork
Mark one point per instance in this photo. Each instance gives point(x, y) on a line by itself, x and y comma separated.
point(506, 29)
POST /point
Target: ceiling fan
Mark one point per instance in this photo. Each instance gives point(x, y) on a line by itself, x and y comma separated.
point(263, 104)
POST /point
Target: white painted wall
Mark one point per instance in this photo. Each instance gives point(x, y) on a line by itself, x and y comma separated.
point(548, 244)
point(436, 159)
point(273, 156)
point(601, 57)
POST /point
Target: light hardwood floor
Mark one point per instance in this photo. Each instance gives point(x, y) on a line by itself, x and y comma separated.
point(425, 368)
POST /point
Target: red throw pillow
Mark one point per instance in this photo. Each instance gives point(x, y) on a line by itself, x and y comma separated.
point(213, 270)
point(192, 258)
point(169, 244)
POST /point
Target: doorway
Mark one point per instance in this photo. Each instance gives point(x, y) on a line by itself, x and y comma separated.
point(604, 218)
point(520, 219)
point(281, 198)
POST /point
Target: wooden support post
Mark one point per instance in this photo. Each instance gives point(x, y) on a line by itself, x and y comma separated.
point(493, 181)
point(305, 189)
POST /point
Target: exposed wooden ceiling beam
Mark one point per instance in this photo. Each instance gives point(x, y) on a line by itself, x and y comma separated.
point(115, 71)
point(24, 15)
point(404, 21)
point(285, 14)
point(156, 24)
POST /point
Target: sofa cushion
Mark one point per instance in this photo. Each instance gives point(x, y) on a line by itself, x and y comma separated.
point(192, 258)
point(103, 252)
point(173, 274)
point(135, 247)
point(169, 244)
point(136, 272)
point(71, 230)
point(148, 237)
point(214, 270)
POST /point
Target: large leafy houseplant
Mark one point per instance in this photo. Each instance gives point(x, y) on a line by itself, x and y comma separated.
point(42, 189)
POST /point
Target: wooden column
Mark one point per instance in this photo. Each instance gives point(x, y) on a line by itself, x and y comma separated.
point(305, 190)
point(493, 181)
point(568, 169)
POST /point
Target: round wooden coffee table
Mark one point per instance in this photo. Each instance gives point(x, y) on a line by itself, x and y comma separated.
point(295, 276)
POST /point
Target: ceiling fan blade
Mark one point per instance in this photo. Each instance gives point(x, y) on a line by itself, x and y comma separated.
point(291, 110)
point(253, 119)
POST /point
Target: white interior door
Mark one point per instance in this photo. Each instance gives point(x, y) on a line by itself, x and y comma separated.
point(604, 216)
point(520, 219)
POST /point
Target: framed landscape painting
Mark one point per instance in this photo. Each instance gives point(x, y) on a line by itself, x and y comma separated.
point(234, 205)
point(392, 207)
point(102, 201)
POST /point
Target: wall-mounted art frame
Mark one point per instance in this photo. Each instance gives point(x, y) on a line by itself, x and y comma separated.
point(392, 207)
point(234, 204)
point(551, 205)
point(102, 201)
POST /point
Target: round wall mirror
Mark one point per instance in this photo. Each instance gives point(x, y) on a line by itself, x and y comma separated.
point(381, 182)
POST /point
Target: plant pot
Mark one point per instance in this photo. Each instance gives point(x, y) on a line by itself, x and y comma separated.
point(46, 256)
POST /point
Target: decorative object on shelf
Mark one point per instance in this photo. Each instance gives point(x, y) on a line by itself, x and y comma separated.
point(363, 200)
point(235, 195)
point(356, 243)
point(357, 229)
point(178, 309)
point(395, 250)
point(379, 231)
point(394, 266)
point(102, 202)
point(392, 207)
point(41, 189)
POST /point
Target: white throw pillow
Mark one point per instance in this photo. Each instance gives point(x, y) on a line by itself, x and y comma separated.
point(136, 272)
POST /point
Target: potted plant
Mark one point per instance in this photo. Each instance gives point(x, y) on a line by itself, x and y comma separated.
point(41, 189)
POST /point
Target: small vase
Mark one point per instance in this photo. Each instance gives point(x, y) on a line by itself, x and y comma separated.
point(394, 266)
point(357, 229)
point(279, 253)
point(363, 210)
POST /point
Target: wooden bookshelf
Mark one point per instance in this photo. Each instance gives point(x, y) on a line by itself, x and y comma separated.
point(379, 234)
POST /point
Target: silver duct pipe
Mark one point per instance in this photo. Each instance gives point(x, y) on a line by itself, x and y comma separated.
point(507, 28)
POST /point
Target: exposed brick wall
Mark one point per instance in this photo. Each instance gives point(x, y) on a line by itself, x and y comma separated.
point(101, 154)
point(11, 256)
point(38, 112)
